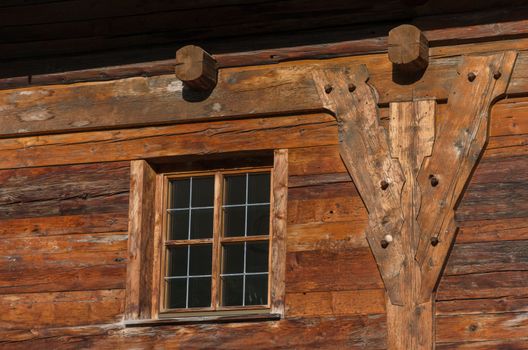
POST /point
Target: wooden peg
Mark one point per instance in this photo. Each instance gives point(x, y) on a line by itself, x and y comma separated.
point(196, 68)
point(408, 49)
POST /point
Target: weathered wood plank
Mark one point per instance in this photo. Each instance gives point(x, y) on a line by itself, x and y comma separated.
point(325, 209)
point(466, 328)
point(60, 309)
point(331, 270)
point(189, 139)
point(66, 190)
point(487, 257)
point(286, 88)
point(350, 332)
point(327, 235)
point(140, 265)
point(63, 225)
point(63, 263)
point(494, 201)
point(335, 303)
point(482, 306)
point(483, 285)
point(315, 161)
point(509, 229)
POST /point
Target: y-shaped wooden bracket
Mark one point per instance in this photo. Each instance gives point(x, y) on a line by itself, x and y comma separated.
point(412, 178)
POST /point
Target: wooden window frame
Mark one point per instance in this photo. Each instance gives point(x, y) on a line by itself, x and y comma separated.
point(146, 262)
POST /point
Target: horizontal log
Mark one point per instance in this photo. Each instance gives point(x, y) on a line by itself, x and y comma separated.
point(482, 306)
point(60, 309)
point(351, 332)
point(331, 270)
point(63, 263)
point(335, 303)
point(509, 117)
point(466, 328)
point(63, 225)
point(483, 285)
point(284, 89)
point(66, 190)
point(493, 230)
point(315, 161)
point(487, 257)
point(494, 201)
point(332, 208)
point(178, 140)
point(507, 146)
point(327, 235)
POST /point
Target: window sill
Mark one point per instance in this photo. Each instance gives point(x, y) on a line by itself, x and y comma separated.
point(257, 317)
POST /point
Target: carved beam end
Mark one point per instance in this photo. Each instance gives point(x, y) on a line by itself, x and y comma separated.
point(408, 49)
point(196, 68)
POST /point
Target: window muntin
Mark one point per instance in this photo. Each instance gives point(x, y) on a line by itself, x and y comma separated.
point(217, 241)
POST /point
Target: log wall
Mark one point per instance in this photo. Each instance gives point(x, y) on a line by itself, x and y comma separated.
point(63, 224)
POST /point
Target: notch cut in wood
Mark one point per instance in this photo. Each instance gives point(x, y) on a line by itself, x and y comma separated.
point(196, 68)
point(423, 164)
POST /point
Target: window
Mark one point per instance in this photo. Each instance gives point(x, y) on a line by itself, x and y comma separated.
point(206, 243)
point(222, 263)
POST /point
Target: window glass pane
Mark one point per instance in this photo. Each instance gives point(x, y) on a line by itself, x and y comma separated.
point(234, 221)
point(257, 257)
point(176, 292)
point(232, 290)
point(258, 217)
point(180, 193)
point(256, 290)
point(202, 191)
point(201, 223)
point(200, 292)
point(235, 189)
point(177, 259)
point(200, 260)
point(178, 224)
point(259, 188)
point(233, 258)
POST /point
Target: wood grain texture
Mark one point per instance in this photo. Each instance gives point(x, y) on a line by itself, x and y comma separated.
point(363, 141)
point(63, 263)
point(351, 332)
point(60, 309)
point(284, 89)
point(66, 190)
point(355, 302)
point(279, 231)
point(166, 141)
point(63, 225)
point(140, 266)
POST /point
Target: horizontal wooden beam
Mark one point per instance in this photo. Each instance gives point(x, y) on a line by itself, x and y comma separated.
point(280, 90)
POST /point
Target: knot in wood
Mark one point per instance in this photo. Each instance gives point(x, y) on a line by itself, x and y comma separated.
point(384, 185)
point(471, 76)
point(328, 88)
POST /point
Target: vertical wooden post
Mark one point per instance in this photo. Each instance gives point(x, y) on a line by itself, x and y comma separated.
point(138, 303)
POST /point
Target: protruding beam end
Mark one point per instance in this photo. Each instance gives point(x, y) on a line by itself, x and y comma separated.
point(408, 49)
point(196, 68)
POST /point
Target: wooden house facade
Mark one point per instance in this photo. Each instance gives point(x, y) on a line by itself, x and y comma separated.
point(302, 175)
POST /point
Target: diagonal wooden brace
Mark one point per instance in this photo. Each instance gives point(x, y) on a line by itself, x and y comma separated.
point(412, 177)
